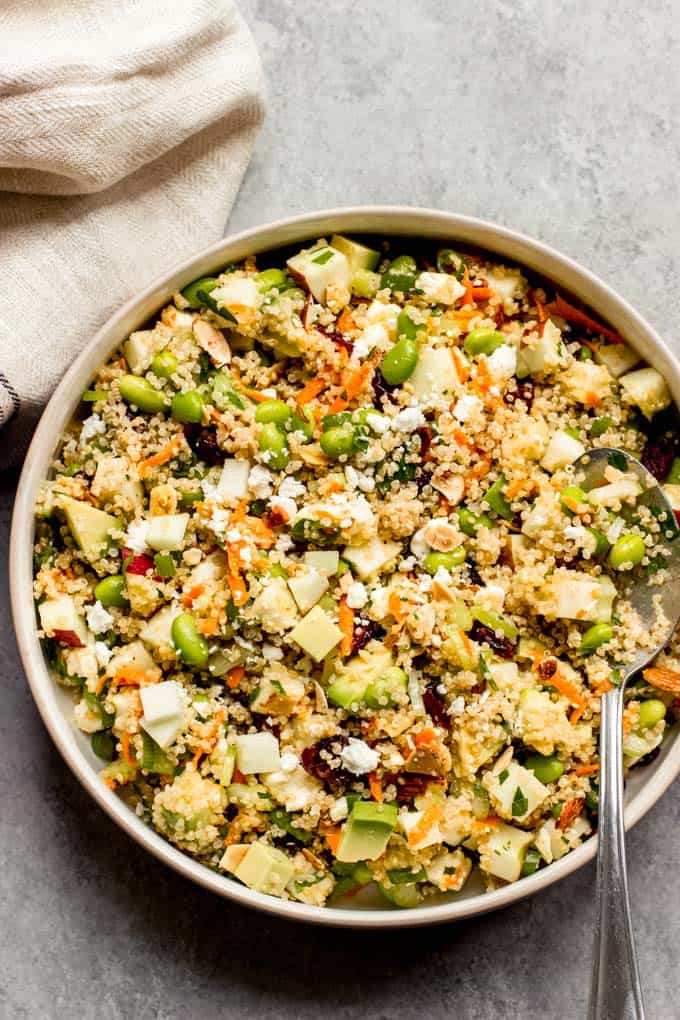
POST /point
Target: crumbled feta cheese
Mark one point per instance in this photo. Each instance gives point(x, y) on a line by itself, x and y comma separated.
point(218, 521)
point(366, 483)
point(271, 652)
point(92, 426)
point(575, 532)
point(103, 653)
point(465, 406)
point(442, 576)
point(269, 392)
point(358, 757)
point(378, 423)
point(211, 493)
point(290, 488)
point(457, 706)
point(136, 536)
point(357, 596)
point(339, 810)
point(289, 762)
point(502, 363)
point(408, 564)
point(285, 506)
point(443, 288)
point(98, 619)
point(614, 530)
point(234, 535)
point(408, 419)
point(351, 476)
point(260, 482)
point(361, 348)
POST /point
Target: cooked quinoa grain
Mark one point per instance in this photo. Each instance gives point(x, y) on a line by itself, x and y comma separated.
point(316, 565)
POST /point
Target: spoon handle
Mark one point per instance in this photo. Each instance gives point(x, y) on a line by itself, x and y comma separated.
point(615, 992)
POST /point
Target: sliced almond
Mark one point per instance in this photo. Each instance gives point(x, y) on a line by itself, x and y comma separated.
point(212, 342)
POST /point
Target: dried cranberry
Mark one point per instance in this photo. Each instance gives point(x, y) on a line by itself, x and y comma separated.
point(304, 314)
point(474, 575)
point(381, 387)
point(500, 318)
point(364, 631)
point(67, 637)
point(336, 336)
point(136, 563)
point(319, 760)
point(203, 441)
point(423, 477)
point(547, 669)
point(435, 706)
point(425, 436)
point(274, 519)
point(503, 646)
point(658, 455)
point(524, 391)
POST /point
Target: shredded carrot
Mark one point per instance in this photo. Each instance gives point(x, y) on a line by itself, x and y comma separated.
point(570, 313)
point(313, 388)
point(357, 380)
point(396, 607)
point(541, 313)
point(480, 469)
point(375, 786)
point(467, 644)
point(461, 364)
point(239, 591)
point(190, 596)
point(576, 714)
point(462, 439)
point(425, 736)
point(235, 677)
point(197, 757)
point(345, 321)
point(518, 486)
point(208, 627)
point(333, 486)
point(481, 293)
point(131, 676)
point(126, 750)
point(565, 688)
point(490, 822)
point(259, 398)
point(239, 777)
point(467, 283)
point(346, 625)
point(592, 399)
point(431, 816)
point(163, 456)
point(587, 770)
point(338, 405)
point(333, 840)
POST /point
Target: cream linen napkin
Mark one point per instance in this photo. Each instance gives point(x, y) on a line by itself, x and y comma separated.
point(125, 130)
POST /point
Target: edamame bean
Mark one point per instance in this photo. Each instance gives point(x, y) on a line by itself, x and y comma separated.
point(572, 497)
point(401, 274)
point(141, 394)
point(627, 552)
point(111, 591)
point(406, 326)
point(269, 279)
point(546, 768)
point(495, 497)
point(276, 411)
point(190, 293)
point(272, 443)
point(164, 365)
point(191, 496)
point(470, 523)
point(447, 560)
point(597, 635)
point(192, 646)
point(338, 441)
point(652, 711)
point(494, 621)
point(399, 363)
point(329, 421)
point(365, 284)
point(103, 745)
point(600, 426)
point(303, 422)
point(601, 541)
point(187, 407)
point(482, 341)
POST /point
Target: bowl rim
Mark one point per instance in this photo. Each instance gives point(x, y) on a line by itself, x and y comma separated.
point(398, 220)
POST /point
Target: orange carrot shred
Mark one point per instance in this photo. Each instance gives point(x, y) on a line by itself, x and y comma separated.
point(239, 591)
point(126, 750)
point(338, 405)
point(259, 398)
point(570, 812)
point(333, 840)
point(356, 381)
point(235, 677)
point(163, 456)
point(425, 736)
point(570, 313)
point(375, 786)
point(345, 321)
point(587, 770)
point(396, 607)
point(346, 625)
point(313, 388)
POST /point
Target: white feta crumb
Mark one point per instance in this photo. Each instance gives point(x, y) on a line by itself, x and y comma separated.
point(442, 576)
point(290, 488)
point(457, 706)
point(408, 564)
point(260, 482)
point(361, 348)
point(352, 476)
point(271, 652)
point(218, 521)
point(613, 532)
point(358, 757)
point(502, 363)
point(92, 426)
point(443, 288)
point(234, 535)
point(103, 653)
point(247, 646)
point(136, 536)
point(339, 810)
point(378, 423)
point(408, 419)
point(269, 392)
point(192, 557)
point(98, 619)
point(211, 493)
point(289, 762)
point(202, 708)
point(575, 532)
point(466, 406)
point(366, 483)
point(285, 506)
point(357, 596)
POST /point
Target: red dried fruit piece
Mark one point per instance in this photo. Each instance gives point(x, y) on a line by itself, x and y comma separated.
point(136, 563)
point(323, 761)
point(658, 455)
point(435, 706)
point(67, 637)
point(364, 631)
point(570, 812)
point(203, 442)
point(524, 391)
point(503, 646)
point(275, 519)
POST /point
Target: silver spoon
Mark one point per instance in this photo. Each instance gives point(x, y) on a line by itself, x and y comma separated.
point(615, 992)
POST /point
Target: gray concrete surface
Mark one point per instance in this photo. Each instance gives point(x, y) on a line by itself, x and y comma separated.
point(559, 119)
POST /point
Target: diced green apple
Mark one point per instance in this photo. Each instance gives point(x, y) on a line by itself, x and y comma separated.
point(617, 358)
point(434, 377)
point(316, 634)
point(260, 867)
point(307, 588)
point(319, 269)
point(502, 851)
point(89, 526)
point(60, 616)
point(562, 449)
point(358, 255)
point(366, 832)
point(370, 558)
point(257, 752)
point(166, 531)
point(646, 388)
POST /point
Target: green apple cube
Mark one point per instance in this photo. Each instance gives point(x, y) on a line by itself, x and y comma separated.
point(316, 634)
point(366, 832)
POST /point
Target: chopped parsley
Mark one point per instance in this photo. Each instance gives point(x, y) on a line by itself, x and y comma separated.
point(520, 804)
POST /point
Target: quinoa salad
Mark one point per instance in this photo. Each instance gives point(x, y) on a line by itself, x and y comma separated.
point(316, 564)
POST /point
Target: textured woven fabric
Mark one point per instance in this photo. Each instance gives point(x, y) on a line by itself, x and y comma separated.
point(125, 130)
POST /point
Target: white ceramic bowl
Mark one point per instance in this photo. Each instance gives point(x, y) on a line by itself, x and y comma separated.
point(55, 705)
